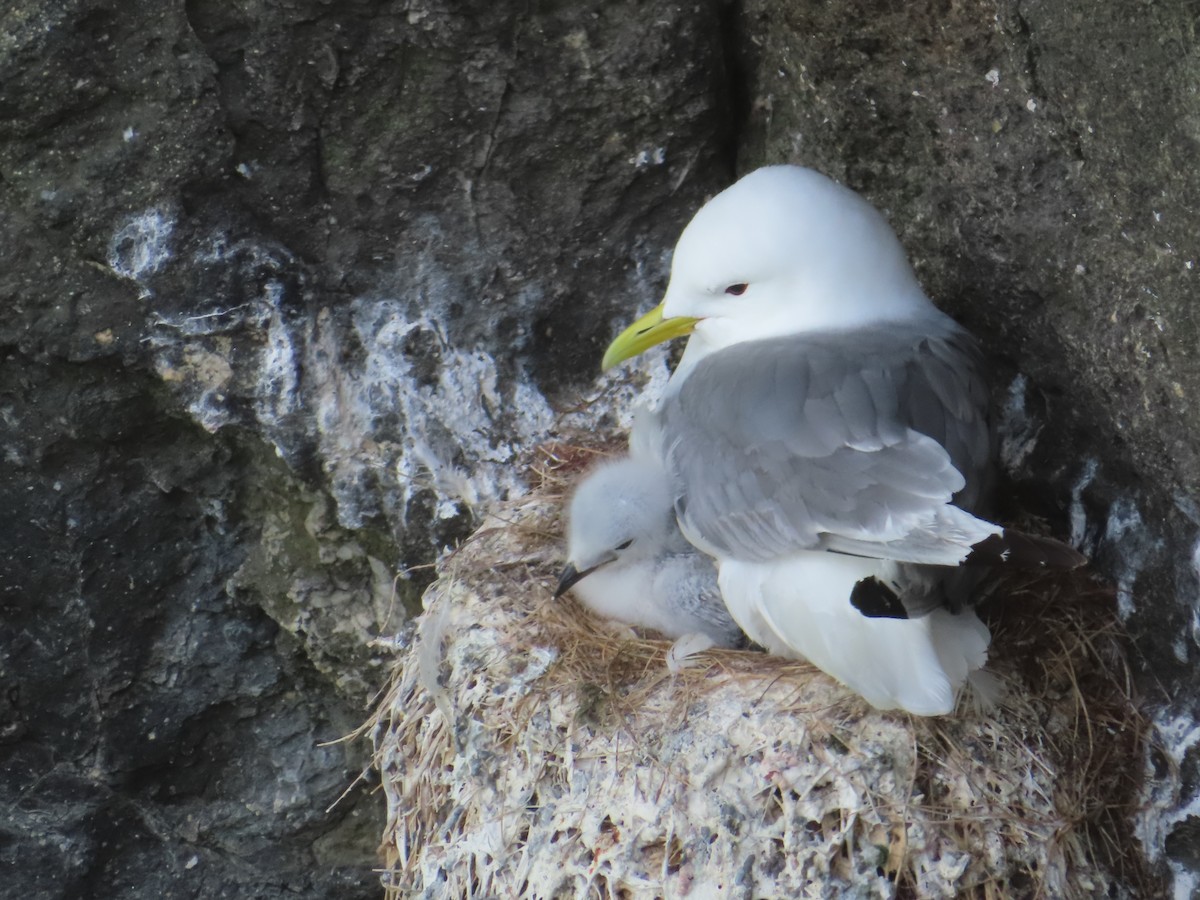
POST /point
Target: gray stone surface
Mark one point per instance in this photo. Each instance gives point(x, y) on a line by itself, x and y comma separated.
point(288, 290)
point(158, 737)
point(290, 285)
point(1037, 161)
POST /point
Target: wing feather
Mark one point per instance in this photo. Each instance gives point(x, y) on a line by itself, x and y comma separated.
point(856, 439)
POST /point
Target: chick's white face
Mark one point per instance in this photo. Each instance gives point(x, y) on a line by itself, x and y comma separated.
point(787, 250)
point(621, 512)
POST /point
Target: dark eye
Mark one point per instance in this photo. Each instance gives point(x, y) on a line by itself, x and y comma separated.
point(736, 289)
point(625, 545)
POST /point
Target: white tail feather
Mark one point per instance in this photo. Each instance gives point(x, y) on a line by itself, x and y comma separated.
point(800, 607)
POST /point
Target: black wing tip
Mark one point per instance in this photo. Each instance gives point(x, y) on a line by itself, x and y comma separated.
point(1017, 550)
point(876, 600)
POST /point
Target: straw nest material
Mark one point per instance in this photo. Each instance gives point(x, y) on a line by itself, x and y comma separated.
point(528, 749)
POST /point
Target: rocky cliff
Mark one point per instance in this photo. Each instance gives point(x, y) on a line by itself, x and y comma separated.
point(291, 287)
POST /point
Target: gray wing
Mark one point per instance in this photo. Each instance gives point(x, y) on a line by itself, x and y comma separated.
point(799, 442)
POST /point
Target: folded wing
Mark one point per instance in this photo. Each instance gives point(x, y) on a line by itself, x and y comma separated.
point(854, 442)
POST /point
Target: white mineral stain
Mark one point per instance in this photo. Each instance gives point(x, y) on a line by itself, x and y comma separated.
point(461, 430)
point(198, 351)
point(140, 247)
point(1078, 514)
point(395, 409)
point(278, 380)
point(1163, 806)
point(1195, 628)
point(1017, 430)
point(649, 157)
point(1134, 544)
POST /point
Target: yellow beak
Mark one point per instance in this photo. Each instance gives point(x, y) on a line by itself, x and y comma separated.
point(646, 332)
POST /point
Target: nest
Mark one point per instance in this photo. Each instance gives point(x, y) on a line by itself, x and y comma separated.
point(528, 749)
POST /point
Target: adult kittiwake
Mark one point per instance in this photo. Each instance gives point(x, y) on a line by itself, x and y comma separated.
point(627, 560)
point(826, 438)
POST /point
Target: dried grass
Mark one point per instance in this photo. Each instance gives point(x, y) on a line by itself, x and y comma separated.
point(529, 749)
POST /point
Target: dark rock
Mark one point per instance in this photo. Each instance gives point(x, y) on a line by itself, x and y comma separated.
point(1032, 158)
point(287, 286)
point(158, 737)
point(290, 288)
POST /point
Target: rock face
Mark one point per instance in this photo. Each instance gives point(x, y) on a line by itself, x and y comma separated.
point(1032, 158)
point(290, 286)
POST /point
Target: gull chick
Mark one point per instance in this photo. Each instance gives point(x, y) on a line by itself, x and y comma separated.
point(627, 560)
point(825, 436)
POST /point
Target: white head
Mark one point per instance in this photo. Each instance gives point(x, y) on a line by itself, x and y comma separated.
point(786, 250)
point(620, 514)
